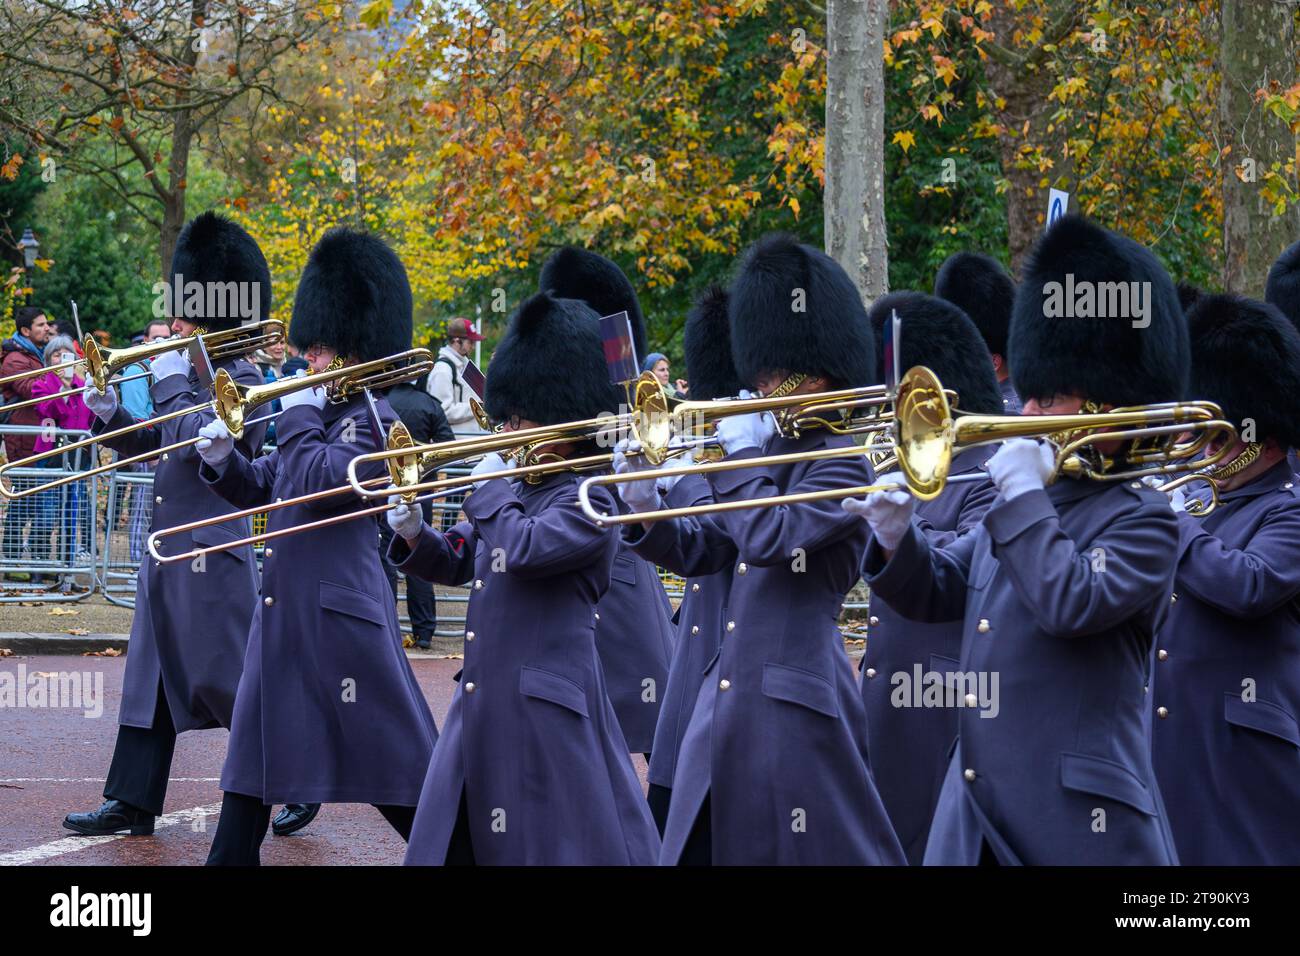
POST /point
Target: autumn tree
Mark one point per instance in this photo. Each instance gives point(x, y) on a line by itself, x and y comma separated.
point(156, 75)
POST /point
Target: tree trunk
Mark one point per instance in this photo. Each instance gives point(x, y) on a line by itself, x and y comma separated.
point(1024, 84)
point(1256, 49)
point(854, 200)
point(183, 129)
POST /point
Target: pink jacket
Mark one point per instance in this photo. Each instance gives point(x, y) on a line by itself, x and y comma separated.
point(66, 412)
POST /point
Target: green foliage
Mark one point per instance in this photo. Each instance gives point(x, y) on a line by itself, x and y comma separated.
point(18, 195)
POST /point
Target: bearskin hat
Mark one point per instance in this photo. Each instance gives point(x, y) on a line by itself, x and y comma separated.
point(550, 365)
point(707, 343)
point(216, 252)
point(354, 297)
point(1282, 289)
point(1246, 357)
point(793, 307)
point(1097, 316)
point(940, 336)
point(979, 286)
point(573, 273)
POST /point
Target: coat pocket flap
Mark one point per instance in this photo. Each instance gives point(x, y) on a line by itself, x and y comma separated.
point(552, 687)
point(947, 667)
point(1261, 715)
point(800, 687)
point(345, 600)
point(1105, 778)
point(215, 535)
point(624, 569)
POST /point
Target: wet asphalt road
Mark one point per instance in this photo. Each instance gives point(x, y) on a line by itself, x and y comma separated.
point(54, 760)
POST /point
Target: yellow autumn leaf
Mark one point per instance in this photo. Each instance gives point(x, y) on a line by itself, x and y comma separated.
point(905, 139)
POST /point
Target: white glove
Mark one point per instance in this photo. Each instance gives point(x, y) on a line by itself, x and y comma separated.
point(668, 482)
point(735, 432)
point(175, 362)
point(889, 513)
point(1177, 500)
point(1021, 465)
point(639, 496)
point(215, 443)
point(103, 404)
point(404, 519)
point(486, 466)
point(311, 397)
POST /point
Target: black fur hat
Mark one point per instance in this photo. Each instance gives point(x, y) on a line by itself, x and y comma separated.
point(1246, 357)
point(979, 286)
point(940, 336)
point(1059, 344)
point(1189, 295)
point(213, 251)
point(1283, 286)
point(573, 273)
point(792, 307)
point(707, 343)
point(353, 297)
point(550, 365)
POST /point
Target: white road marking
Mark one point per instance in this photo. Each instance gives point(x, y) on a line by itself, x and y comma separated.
point(50, 850)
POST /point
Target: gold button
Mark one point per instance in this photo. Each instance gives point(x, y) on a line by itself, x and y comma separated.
point(969, 774)
point(873, 620)
point(724, 684)
point(166, 455)
point(1162, 712)
point(158, 500)
point(983, 626)
point(972, 700)
point(269, 553)
point(1136, 484)
point(1162, 654)
point(871, 672)
point(742, 568)
point(695, 587)
point(1289, 485)
point(1173, 599)
point(469, 635)
point(478, 585)
point(598, 615)
point(268, 601)
point(731, 625)
point(469, 688)
point(695, 629)
point(278, 500)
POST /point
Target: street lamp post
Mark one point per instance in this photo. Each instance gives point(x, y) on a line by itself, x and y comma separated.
point(29, 246)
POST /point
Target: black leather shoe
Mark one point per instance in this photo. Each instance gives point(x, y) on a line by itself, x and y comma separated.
point(424, 642)
point(294, 817)
point(113, 816)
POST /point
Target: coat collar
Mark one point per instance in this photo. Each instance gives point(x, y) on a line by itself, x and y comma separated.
point(1271, 480)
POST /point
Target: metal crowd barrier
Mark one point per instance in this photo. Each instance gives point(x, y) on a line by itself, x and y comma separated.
point(128, 515)
point(50, 538)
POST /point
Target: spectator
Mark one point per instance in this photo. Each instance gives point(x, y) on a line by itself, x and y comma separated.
point(270, 361)
point(64, 412)
point(138, 401)
point(447, 380)
point(425, 420)
point(657, 362)
point(23, 352)
point(103, 337)
point(294, 364)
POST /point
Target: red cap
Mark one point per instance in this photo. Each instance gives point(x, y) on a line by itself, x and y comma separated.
point(462, 329)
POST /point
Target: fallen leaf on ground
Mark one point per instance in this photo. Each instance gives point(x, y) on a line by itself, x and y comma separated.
point(77, 631)
point(6, 652)
point(106, 652)
point(61, 611)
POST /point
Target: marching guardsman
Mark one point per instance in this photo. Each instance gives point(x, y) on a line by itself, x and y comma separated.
point(328, 710)
point(1282, 289)
point(191, 622)
point(979, 286)
point(532, 767)
point(773, 764)
point(706, 341)
point(909, 745)
point(1059, 591)
point(634, 630)
point(1226, 738)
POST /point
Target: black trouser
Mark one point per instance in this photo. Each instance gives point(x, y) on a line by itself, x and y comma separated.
point(659, 797)
point(244, 821)
point(420, 602)
point(460, 848)
point(142, 761)
point(698, 850)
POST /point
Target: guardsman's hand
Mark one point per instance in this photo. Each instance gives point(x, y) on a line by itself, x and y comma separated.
point(103, 404)
point(487, 466)
point(215, 443)
point(313, 397)
point(889, 513)
point(735, 432)
point(1021, 465)
point(404, 519)
point(640, 496)
point(175, 362)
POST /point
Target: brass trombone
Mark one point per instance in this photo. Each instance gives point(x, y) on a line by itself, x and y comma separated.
point(232, 402)
point(102, 364)
point(926, 437)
